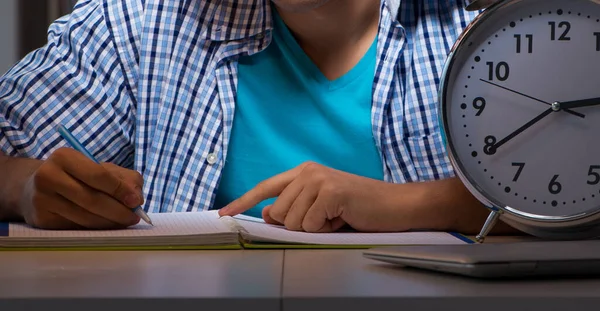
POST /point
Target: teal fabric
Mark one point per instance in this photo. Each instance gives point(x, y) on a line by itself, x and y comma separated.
point(288, 112)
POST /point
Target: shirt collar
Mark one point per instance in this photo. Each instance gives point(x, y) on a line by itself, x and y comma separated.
point(235, 20)
point(392, 6)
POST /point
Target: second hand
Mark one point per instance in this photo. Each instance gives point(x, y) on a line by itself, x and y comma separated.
point(581, 115)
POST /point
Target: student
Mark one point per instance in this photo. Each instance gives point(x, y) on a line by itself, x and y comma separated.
point(312, 113)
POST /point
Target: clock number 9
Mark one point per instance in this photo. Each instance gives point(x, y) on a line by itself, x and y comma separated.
point(479, 104)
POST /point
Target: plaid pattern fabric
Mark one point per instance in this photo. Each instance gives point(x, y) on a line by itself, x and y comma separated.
point(151, 85)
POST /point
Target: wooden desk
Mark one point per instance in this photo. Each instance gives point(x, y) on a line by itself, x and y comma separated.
point(208, 280)
point(345, 280)
point(263, 280)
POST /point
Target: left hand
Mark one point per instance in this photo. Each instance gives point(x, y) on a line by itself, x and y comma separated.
point(315, 198)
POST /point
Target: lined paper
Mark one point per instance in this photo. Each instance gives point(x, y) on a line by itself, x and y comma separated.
point(165, 224)
point(207, 228)
point(262, 232)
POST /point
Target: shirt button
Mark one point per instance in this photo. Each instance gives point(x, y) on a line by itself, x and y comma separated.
point(211, 159)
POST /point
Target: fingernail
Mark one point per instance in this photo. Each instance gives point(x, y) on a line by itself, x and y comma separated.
point(132, 200)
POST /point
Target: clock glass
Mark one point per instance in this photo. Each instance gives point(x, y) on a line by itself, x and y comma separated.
point(521, 107)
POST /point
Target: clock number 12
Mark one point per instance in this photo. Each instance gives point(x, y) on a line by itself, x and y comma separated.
point(563, 36)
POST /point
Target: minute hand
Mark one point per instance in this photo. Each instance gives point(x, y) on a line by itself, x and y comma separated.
point(524, 127)
point(580, 103)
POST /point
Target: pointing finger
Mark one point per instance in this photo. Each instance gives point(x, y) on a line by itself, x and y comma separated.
point(266, 189)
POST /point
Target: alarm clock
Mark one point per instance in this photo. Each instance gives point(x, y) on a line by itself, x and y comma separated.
point(519, 104)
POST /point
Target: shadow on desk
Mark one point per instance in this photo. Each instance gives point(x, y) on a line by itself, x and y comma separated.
point(345, 280)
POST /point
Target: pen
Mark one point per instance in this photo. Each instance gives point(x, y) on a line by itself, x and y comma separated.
point(77, 146)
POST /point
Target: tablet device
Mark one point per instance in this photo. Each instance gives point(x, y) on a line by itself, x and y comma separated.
point(498, 260)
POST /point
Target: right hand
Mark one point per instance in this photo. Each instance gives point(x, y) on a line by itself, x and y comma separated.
point(70, 191)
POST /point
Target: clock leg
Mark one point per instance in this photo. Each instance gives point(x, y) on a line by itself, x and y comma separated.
point(487, 227)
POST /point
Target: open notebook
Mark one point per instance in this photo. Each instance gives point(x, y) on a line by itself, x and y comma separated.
point(206, 230)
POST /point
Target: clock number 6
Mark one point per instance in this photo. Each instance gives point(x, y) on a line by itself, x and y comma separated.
point(595, 176)
point(554, 187)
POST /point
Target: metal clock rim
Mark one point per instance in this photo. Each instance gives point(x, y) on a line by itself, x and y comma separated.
point(470, 184)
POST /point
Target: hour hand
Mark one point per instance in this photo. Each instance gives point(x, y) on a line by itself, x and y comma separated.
point(580, 103)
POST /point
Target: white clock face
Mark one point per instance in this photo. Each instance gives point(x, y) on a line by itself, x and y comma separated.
point(503, 132)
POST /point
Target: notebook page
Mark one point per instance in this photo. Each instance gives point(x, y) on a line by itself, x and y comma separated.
point(262, 232)
point(248, 218)
point(165, 224)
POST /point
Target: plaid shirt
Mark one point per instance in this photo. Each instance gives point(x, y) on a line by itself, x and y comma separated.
point(151, 85)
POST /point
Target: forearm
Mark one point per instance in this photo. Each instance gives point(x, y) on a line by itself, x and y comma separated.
point(444, 205)
point(15, 173)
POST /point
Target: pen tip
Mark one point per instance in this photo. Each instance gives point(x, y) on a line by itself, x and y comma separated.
point(147, 220)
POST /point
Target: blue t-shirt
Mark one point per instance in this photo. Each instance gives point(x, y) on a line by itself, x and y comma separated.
point(288, 112)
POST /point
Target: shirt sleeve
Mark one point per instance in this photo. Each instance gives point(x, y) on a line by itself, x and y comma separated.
point(439, 26)
point(82, 79)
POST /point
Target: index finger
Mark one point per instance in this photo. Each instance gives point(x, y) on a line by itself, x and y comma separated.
point(96, 176)
point(266, 189)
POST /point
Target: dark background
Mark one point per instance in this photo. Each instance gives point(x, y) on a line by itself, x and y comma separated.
point(34, 17)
